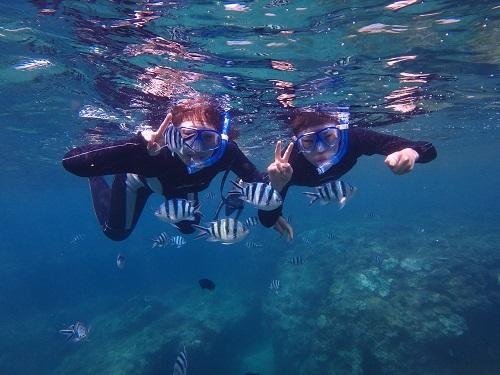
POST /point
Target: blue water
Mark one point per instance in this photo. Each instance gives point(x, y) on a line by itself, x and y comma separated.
point(408, 283)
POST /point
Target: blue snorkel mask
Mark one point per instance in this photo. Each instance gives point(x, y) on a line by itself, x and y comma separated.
point(331, 138)
point(218, 151)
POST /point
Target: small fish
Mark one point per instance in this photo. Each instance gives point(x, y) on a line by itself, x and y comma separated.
point(77, 238)
point(307, 240)
point(173, 140)
point(253, 245)
point(331, 236)
point(210, 195)
point(75, 332)
point(296, 260)
point(33, 64)
point(251, 221)
point(120, 261)
point(174, 210)
point(338, 191)
point(206, 284)
point(162, 240)
point(289, 219)
point(177, 241)
point(378, 260)
point(275, 286)
point(259, 194)
point(181, 363)
point(227, 231)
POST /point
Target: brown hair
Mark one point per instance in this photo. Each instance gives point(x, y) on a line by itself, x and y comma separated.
point(200, 109)
point(302, 119)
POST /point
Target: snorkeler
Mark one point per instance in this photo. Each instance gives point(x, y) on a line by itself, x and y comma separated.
point(325, 148)
point(180, 159)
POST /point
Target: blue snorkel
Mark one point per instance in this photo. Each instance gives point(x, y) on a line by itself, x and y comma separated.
point(343, 127)
point(219, 151)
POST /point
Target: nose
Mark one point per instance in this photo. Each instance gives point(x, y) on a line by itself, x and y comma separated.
point(320, 146)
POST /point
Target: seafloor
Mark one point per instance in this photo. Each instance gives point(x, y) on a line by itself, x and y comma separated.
point(415, 297)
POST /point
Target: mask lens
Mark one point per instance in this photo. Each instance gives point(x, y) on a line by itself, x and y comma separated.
point(330, 136)
point(307, 142)
point(210, 139)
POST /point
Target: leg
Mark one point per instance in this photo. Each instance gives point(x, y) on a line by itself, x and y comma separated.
point(118, 209)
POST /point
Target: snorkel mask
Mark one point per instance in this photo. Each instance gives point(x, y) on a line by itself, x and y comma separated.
point(332, 138)
point(196, 165)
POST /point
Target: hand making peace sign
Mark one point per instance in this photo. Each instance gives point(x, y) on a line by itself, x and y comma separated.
point(280, 171)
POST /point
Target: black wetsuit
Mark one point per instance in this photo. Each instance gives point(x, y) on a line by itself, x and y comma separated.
point(137, 175)
point(361, 142)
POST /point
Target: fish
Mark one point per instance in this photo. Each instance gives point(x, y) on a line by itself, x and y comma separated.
point(307, 240)
point(75, 332)
point(33, 64)
point(206, 284)
point(289, 219)
point(296, 260)
point(181, 363)
point(175, 210)
point(227, 231)
point(378, 260)
point(77, 238)
point(173, 140)
point(253, 245)
point(120, 261)
point(251, 221)
point(338, 191)
point(210, 195)
point(177, 241)
point(162, 240)
point(259, 194)
point(331, 236)
point(275, 286)
point(231, 203)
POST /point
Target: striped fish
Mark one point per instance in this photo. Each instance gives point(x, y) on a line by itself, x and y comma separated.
point(296, 260)
point(227, 231)
point(258, 194)
point(253, 245)
point(275, 286)
point(337, 191)
point(177, 241)
point(181, 363)
point(75, 332)
point(331, 236)
point(174, 210)
point(173, 139)
point(251, 221)
point(162, 240)
point(210, 195)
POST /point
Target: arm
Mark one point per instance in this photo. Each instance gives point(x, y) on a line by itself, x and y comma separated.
point(126, 156)
point(368, 142)
point(269, 218)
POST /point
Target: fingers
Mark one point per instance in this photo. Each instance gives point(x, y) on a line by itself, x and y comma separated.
point(392, 159)
point(400, 163)
point(164, 124)
point(288, 151)
point(277, 151)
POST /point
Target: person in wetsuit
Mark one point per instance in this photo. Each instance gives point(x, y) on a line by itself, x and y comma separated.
point(143, 164)
point(325, 149)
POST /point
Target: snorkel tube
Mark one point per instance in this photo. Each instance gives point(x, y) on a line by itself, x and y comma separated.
point(343, 116)
point(193, 168)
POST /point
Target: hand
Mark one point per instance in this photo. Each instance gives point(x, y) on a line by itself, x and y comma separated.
point(403, 161)
point(280, 171)
point(156, 139)
point(282, 226)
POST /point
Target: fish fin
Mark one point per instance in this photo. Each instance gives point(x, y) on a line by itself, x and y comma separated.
point(313, 197)
point(342, 202)
point(174, 225)
point(203, 231)
point(238, 187)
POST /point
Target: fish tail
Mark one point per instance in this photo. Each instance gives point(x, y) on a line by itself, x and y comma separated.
point(313, 197)
point(203, 231)
point(237, 186)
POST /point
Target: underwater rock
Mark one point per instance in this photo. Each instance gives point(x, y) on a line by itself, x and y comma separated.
point(453, 325)
point(412, 264)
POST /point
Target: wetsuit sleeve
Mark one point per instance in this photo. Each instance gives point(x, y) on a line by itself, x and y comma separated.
point(368, 142)
point(128, 156)
point(243, 167)
point(269, 218)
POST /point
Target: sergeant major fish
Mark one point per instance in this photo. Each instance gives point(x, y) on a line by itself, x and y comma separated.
point(174, 210)
point(173, 140)
point(181, 363)
point(338, 191)
point(227, 231)
point(75, 332)
point(162, 240)
point(275, 286)
point(259, 194)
